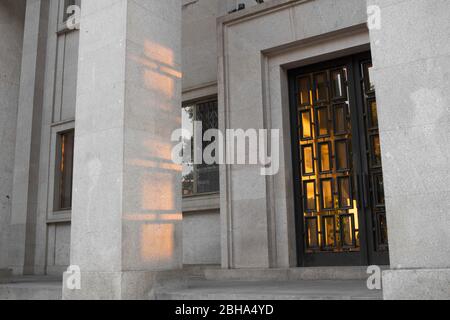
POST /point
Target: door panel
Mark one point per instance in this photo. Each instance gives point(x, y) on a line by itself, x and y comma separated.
point(376, 210)
point(330, 163)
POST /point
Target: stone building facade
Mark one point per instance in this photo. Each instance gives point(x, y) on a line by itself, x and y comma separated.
point(87, 177)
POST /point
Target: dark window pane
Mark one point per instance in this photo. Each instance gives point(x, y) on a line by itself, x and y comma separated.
point(306, 127)
point(207, 175)
point(338, 84)
point(327, 194)
point(322, 122)
point(382, 225)
point(342, 155)
point(340, 119)
point(347, 230)
point(308, 159)
point(312, 238)
point(207, 113)
point(325, 157)
point(64, 174)
point(321, 87)
point(329, 231)
point(207, 179)
point(199, 178)
point(187, 119)
point(188, 179)
point(304, 91)
point(345, 199)
point(379, 190)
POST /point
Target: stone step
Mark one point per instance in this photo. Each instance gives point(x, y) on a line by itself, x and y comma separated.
point(316, 273)
point(5, 273)
point(272, 290)
point(31, 288)
point(198, 271)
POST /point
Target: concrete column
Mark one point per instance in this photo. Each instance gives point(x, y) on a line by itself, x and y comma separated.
point(126, 216)
point(411, 55)
point(22, 228)
point(11, 37)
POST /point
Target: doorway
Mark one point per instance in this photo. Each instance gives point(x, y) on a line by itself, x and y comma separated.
point(338, 185)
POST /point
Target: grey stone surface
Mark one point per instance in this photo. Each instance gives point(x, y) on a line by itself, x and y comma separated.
point(411, 74)
point(58, 108)
point(127, 226)
point(31, 288)
point(272, 290)
point(129, 285)
point(291, 274)
point(169, 285)
point(419, 284)
point(23, 222)
point(5, 273)
point(199, 39)
point(58, 248)
point(11, 38)
point(257, 212)
point(201, 238)
point(415, 130)
point(199, 43)
point(126, 215)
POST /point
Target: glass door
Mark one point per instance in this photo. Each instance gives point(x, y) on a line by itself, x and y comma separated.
point(329, 169)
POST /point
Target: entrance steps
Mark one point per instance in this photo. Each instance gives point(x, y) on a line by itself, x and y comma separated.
point(321, 283)
point(31, 288)
point(272, 290)
point(213, 283)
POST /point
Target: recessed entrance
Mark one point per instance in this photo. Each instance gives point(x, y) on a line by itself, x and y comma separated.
point(340, 211)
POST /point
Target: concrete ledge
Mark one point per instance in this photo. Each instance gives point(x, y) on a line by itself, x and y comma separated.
point(130, 285)
point(31, 288)
point(318, 273)
point(418, 284)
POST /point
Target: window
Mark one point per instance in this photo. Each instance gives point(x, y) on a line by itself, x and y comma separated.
point(199, 178)
point(64, 170)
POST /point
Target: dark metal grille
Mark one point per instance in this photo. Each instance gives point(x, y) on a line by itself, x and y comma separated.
point(327, 178)
point(199, 178)
point(207, 175)
point(375, 172)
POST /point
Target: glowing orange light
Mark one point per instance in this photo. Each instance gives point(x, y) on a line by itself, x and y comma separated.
point(157, 192)
point(157, 242)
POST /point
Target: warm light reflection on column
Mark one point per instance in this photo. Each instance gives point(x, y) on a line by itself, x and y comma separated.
point(157, 193)
point(156, 215)
point(157, 242)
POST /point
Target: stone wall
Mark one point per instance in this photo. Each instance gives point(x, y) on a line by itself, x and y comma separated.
point(411, 55)
point(258, 222)
point(200, 39)
point(201, 223)
point(11, 35)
